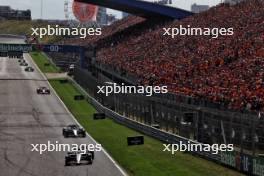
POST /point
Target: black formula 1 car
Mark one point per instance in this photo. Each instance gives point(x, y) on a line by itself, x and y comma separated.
point(21, 60)
point(79, 158)
point(29, 69)
point(23, 64)
point(43, 90)
point(73, 131)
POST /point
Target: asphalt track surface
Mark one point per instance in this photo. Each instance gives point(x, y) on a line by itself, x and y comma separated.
point(27, 118)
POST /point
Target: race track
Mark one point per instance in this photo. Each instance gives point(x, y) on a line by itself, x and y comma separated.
point(27, 118)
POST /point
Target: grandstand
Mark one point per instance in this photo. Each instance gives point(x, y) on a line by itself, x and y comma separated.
point(184, 63)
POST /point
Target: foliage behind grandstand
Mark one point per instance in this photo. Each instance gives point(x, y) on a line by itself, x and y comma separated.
point(24, 28)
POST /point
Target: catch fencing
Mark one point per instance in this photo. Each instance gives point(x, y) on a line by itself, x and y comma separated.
point(172, 121)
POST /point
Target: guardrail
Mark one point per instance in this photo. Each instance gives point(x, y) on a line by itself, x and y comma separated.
point(146, 129)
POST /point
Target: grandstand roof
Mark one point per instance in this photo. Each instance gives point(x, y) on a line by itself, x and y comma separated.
point(141, 8)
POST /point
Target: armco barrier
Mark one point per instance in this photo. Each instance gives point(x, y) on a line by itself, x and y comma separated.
point(244, 163)
point(148, 130)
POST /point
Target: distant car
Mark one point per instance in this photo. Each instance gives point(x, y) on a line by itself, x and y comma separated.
point(71, 69)
point(43, 90)
point(23, 64)
point(73, 131)
point(79, 158)
point(72, 66)
point(29, 69)
point(21, 60)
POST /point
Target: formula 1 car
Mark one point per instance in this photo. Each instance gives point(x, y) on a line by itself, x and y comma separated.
point(73, 131)
point(23, 64)
point(29, 69)
point(71, 69)
point(43, 90)
point(79, 158)
point(21, 60)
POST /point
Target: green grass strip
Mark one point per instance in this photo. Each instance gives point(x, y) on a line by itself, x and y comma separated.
point(43, 63)
point(145, 160)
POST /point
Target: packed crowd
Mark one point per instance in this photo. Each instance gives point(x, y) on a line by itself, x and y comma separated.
point(229, 69)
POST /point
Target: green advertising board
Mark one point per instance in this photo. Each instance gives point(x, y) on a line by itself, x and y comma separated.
point(243, 162)
point(229, 158)
point(258, 166)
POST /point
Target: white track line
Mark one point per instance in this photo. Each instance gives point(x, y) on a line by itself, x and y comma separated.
point(105, 152)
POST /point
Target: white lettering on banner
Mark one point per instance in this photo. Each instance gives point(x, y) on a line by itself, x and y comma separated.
point(54, 48)
point(258, 169)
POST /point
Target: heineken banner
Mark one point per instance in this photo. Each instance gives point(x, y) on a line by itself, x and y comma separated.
point(45, 48)
point(244, 163)
point(15, 47)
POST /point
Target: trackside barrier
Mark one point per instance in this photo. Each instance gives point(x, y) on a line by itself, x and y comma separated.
point(148, 130)
point(244, 163)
